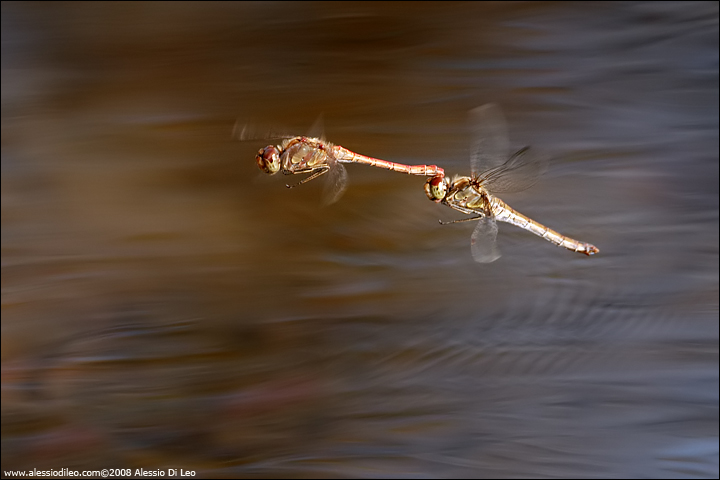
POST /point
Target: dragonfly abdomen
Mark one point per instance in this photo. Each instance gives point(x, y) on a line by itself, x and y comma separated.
point(503, 212)
point(346, 156)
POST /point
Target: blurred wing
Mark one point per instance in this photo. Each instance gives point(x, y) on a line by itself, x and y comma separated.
point(248, 131)
point(335, 183)
point(483, 244)
point(519, 173)
point(318, 128)
point(490, 138)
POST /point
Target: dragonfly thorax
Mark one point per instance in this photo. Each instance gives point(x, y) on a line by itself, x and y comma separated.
point(268, 159)
point(436, 188)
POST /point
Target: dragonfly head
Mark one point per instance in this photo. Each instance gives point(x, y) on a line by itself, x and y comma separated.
point(268, 159)
point(436, 188)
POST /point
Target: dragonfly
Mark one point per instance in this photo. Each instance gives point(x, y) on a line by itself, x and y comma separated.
point(494, 172)
point(314, 156)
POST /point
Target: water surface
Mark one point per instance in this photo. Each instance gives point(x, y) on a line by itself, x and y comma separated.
point(166, 305)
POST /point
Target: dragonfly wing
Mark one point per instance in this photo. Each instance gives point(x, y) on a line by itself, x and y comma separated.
point(335, 183)
point(245, 130)
point(318, 128)
point(490, 138)
point(483, 244)
point(519, 173)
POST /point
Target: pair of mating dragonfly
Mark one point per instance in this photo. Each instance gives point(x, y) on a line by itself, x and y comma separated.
point(493, 171)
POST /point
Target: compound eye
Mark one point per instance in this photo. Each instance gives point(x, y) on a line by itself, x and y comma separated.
point(436, 188)
point(268, 159)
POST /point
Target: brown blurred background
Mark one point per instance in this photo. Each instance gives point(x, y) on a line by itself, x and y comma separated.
point(166, 305)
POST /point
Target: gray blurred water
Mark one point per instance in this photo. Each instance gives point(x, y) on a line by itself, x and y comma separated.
point(166, 305)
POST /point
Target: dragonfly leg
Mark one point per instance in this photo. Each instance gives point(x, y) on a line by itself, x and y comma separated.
point(462, 220)
point(311, 177)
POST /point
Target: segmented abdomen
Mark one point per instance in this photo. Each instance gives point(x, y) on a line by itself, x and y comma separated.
point(504, 213)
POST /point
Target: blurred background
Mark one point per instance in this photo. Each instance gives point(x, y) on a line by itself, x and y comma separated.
point(167, 305)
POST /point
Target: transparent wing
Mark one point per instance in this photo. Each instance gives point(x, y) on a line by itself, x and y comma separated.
point(519, 173)
point(250, 131)
point(490, 138)
point(483, 244)
point(335, 183)
point(317, 130)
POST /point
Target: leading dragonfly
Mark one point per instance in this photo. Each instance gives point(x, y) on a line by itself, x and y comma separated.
point(313, 155)
point(493, 171)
